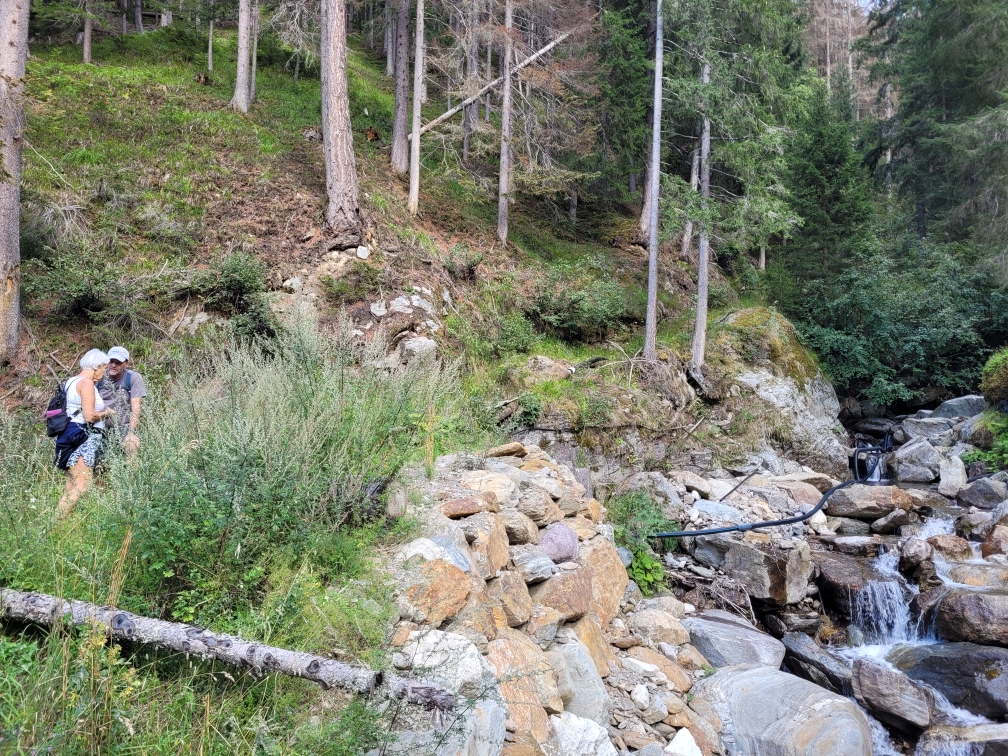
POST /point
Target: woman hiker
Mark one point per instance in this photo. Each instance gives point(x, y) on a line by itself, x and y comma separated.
point(77, 447)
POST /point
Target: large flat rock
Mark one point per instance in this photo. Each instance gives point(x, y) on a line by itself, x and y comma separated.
point(765, 711)
point(971, 676)
point(974, 616)
point(842, 577)
point(726, 640)
point(808, 659)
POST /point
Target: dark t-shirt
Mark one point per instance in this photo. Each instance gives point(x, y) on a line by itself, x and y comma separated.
point(114, 394)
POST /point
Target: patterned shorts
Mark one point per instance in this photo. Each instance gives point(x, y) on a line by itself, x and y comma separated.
point(88, 451)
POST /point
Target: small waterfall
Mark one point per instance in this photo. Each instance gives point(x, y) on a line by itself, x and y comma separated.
point(936, 526)
point(882, 608)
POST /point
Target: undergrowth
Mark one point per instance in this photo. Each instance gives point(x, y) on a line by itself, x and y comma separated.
point(635, 516)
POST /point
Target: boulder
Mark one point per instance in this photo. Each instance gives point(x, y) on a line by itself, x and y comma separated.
point(581, 736)
point(952, 472)
point(892, 696)
point(531, 563)
point(540, 369)
point(996, 542)
point(821, 482)
point(480, 616)
point(527, 682)
point(974, 430)
point(766, 711)
point(692, 482)
point(808, 659)
point(511, 592)
point(497, 483)
point(683, 744)
point(687, 657)
point(810, 412)
point(961, 406)
point(470, 505)
point(559, 542)
point(974, 616)
point(520, 529)
point(481, 734)
point(449, 660)
point(980, 575)
point(950, 547)
point(513, 449)
point(580, 686)
point(726, 640)
point(654, 626)
point(779, 577)
point(433, 592)
point(842, 577)
point(926, 427)
point(538, 506)
point(582, 526)
point(916, 461)
point(990, 740)
point(609, 579)
point(657, 487)
point(804, 494)
point(590, 634)
point(569, 592)
point(488, 542)
point(983, 493)
point(974, 526)
point(417, 348)
point(889, 523)
point(970, 676)
point(543, 624)
point(847, 526)
point(669, 604)
point(430, 549)
point(866, 502)
point(678, 679)
point(913, 553)
point(715, 510)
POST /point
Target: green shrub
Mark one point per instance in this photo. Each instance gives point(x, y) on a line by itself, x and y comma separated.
point(647, 571)
point(362, 279)
point(461, 262)
point(635, 516)
point(576, 303)
point(995, 426)
point(235, 287)
point(994, 378)
point(492, 335)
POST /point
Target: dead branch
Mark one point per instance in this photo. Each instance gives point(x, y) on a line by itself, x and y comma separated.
point(42, 609)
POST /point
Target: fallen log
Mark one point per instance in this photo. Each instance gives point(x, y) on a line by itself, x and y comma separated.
point(43, 609)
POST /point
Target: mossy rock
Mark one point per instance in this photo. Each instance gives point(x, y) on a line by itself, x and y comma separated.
point(994, 379)
point(762, 335)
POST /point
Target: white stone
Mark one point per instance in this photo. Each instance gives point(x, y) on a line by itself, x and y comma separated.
point(293, 285)
point(577, 736)
point(423, 304)
point(641, 668)
point(363, 252)
point(450, 660)
point(640, 696)
point(400, 306)
point(379, 309)
point(683, 744)
point(953, 476)
point(426, 550)
point(417, 347)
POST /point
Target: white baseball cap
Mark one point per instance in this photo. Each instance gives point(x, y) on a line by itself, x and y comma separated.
point(118, 353)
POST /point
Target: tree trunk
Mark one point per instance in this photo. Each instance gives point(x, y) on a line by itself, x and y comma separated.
point(255, 52)
point(42, 609)
point(489, 73)
point(297, 65)
point(472, 72)
point(651, 314)
point(88, 27)
point(240, 100)
point(762, 256)
point(343, 212)
point(694, 180)
point(209, 52)
point(504, 178)
point(400, 147)
point(418, 74)
point(572, 207)
point(138, 16)
point(390, 43)
point(633, 175)
point(699, 346)
point(166, 18)
point(13, 55)
point(829, 54)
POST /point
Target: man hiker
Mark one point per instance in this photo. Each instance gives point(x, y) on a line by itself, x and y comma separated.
point(122, 389)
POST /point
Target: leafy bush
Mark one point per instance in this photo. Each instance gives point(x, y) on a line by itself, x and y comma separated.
point(362, 279)
point(461, 262)
point(235, 287)
point(635, 516)
point(994, 378)
point(577, 303)
point(646, 571)
point(996, 454)
point(492, 335)
point(260, 459)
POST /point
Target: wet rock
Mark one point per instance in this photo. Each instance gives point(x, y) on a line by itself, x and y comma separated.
point(976, 617)
point(578, 682)
point(450, 660)
point(808, 659)
point(940, 741)
point(970, 676)
point(950, 547)
point(961, 406)
point(654, 626)
point(952, 473)
point(982, 575)
point(527, 682)
point(532, 563)
point(510, 590)
point(520, 529)
point(609, 579)
point(916, 461)
point(866, 502)
point(983, 493)
point(888, 524)
point(433, 592)
point(860, 545)
point(578, 735)
point(996, 542)
point(915, 551)
point(973, 526)
point(559, 542)
point(726, 640)
point(569, 592)
point(470, 505)
point(842, 577)
point(543, 624)
point(768, 711)
point(779, 577)
point(892, 696)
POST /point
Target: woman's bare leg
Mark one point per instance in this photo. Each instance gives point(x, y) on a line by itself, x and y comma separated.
point(77, 482)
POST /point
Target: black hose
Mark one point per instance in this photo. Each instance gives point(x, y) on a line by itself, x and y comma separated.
point(746, 526)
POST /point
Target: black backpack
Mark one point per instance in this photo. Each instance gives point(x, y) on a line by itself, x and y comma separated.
point(56, 416)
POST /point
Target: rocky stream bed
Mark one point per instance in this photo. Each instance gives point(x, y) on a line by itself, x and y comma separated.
point(878, 626)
